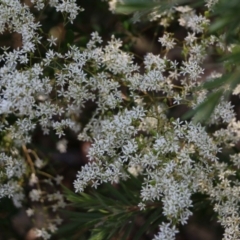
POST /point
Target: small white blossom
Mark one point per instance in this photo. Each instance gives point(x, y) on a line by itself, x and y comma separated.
point(58, 179)
point(167, 232)
point(39, 163)
point(43, 234)
point(167, 41)
point(52, 41)
point(61, 145)
point(142, 206)
point(35, 195)
point(30, 212)
point(33, 179)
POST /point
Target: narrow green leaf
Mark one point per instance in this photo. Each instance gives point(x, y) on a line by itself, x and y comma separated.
point(128, 229)
point(149, 222)
point(202, 112)
point(130, 6)
point(216, 83)
point(117, 194)
point(218, 25)
point(69, 37)
point(98, 236)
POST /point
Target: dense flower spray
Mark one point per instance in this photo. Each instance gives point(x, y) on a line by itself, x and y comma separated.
point(130, 133)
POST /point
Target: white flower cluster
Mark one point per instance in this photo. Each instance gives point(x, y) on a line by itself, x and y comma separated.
point(129, 130)
point(12, 168)
point(166, 232)
point(51, 202)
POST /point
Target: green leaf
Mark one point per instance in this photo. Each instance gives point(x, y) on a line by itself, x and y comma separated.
point(233, 57)
point(219, 24)
point(151, 219)
point(202, 112)
point(128, 229)
point(130, 6)
point(98, 236)
point(118, 194)
point(69, 37)
point(146, 6)
point(216, 83)
point(107, 212)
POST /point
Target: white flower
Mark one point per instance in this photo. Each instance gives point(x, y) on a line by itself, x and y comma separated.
point(210, 3)
point(167, 41)
point(33, 179)
point(195, 22)
point(191, 38)
point(52, 228)
point(58, 220)
point(177, 99)
point(43, 233)
point(236, 91)
point(30, 212)
point(35, 195)
point(61, 145)
point(223, 112)
point(135, 170)
point(183, 9)
point(142, 206)
point(167, 232)
point(38, 163)
point(52, 41)
point(5, 106)
point(58, 179)
point(193, 69)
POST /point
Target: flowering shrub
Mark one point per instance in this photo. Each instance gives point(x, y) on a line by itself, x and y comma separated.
point(131, 131)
